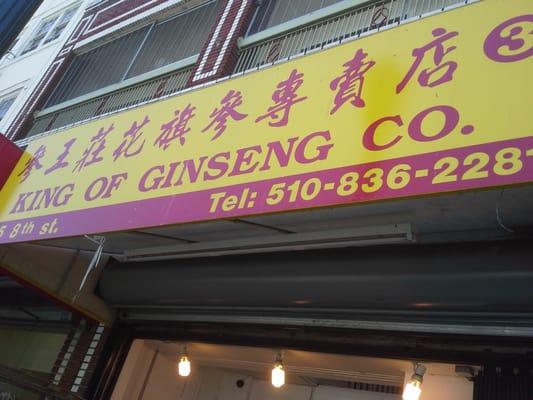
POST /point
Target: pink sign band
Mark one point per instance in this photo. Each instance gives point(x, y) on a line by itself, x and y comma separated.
point(500, 163)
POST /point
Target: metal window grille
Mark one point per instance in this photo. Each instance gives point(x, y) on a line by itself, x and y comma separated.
point(121, 99)
point(348, 24)
point(175, 39)
point(98, 68)
point(495, 383)
point(274, 12)
point(138, 52)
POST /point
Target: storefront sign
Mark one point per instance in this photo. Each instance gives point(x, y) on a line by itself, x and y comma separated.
point(428, 107)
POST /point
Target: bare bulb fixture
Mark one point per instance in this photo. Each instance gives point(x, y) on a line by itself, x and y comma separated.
point(278, 373)
point(184, 366)
point(413, 388)
point(412, 391)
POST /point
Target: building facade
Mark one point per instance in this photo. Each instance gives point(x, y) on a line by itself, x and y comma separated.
point(338, 186)
point(25, 62)
point(32, 330)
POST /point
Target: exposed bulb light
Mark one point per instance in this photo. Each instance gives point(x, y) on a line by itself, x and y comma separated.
point(184, 365)
point(413, 388)
point(412, 391)
point(278, 373)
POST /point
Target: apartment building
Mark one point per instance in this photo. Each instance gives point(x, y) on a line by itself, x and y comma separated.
point(25, 62)
point(32, 331)
point(279, 199)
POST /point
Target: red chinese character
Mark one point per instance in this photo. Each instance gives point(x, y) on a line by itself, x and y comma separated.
point(426, 77)
point(175, 128)
point(91, 154)
point(220, 116)
point(61, 163)
point(349, 85)
point(130, 139)
point(284, 98)
point(33, 163)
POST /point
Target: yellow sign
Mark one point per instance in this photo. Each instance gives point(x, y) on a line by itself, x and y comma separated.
point(431, 106)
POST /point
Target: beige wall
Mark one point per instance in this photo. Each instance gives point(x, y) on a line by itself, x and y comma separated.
point(438, 387)
point(150, 375)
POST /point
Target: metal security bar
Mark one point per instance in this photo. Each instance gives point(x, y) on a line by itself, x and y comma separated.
point(175, 39)
point(274, 12)
point(344, 25)
point(143, 50)
point(129, 96)
point(98, 68)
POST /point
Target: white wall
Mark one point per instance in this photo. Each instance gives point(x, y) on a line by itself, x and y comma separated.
point(135, 367)
point(441, 383)
point(22, 73)
point(329, 393)
point(216, 383)
point(262, 390)
point(438, 387)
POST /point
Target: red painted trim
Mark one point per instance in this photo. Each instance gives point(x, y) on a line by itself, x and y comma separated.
point(229, 59)
point(9, 156)
point(113, 12)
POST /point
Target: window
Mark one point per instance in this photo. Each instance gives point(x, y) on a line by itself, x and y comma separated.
point(49, 29)
point(175, 39)
point(39, 35)
point(98, 68)
point(140, 51)
point(92, 3)
point(274, 12)
point(5, 103)
point(61, 24)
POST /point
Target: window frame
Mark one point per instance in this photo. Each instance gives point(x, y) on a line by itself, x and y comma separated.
point(13, 95)
point(64, 21)
point(280, 29)
point(127, 80)
point(92, 3)
point(57, 18)
point(270, 8)
point(11, 52)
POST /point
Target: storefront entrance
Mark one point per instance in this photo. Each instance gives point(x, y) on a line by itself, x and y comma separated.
point(244, 373)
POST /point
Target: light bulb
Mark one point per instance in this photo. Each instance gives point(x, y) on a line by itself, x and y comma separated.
point(278, 375)
point(184, 366)
point(412, 390)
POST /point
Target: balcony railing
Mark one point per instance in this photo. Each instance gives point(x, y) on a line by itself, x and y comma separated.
point(126, 97)
point(343, 25)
